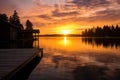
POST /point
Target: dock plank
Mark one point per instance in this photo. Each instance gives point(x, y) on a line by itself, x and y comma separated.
point(11, 60)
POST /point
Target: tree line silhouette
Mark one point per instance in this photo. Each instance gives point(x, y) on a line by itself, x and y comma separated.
point(105, 31)
point(15, 20)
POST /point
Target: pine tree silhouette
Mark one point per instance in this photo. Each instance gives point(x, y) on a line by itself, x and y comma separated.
point(14, 19)
point(4, 17)
point(29, 25)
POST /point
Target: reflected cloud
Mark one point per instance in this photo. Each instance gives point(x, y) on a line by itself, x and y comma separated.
point(58, 59)
point(95, 72)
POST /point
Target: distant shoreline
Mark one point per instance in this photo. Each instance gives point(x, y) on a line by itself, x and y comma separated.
point(61, 35)
point(74, 35)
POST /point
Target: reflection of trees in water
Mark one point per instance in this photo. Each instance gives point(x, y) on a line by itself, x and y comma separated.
point(105, 42)
point(94, 72)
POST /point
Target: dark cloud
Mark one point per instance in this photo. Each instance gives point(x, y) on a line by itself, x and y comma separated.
point(106, 12)
point(109, 14)
point(106, 15)
point(44, 16)
point(118, 1)
point(90, 3)
point(27, 17)
point(7, 5)
point(99, 10)
point(56, 13)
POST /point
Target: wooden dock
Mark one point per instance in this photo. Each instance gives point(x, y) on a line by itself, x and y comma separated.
point(13, 60)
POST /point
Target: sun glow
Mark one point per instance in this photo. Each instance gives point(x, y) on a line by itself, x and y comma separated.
point(66, 28)
point(65, 32)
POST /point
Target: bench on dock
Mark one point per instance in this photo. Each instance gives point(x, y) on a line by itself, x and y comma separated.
point(13, 60)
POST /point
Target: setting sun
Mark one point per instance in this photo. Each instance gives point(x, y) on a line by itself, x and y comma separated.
point(65, 32)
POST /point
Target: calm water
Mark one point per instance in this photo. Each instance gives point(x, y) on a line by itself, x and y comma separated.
point(75, 58)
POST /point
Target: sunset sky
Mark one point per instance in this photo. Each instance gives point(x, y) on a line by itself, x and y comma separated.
point(55, 16)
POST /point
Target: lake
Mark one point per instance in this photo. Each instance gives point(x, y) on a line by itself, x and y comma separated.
point(77, 58)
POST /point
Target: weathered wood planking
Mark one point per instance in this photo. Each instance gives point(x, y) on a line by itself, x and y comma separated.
point(12, 60)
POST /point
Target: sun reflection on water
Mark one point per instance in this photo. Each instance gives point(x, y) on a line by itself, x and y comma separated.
point(65, 40)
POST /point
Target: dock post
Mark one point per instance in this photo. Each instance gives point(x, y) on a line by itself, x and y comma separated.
point(41, 52)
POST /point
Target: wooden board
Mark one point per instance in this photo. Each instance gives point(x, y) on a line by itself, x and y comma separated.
point(12, 60)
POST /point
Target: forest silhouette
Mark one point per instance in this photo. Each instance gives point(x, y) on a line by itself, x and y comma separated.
point(105, 31)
